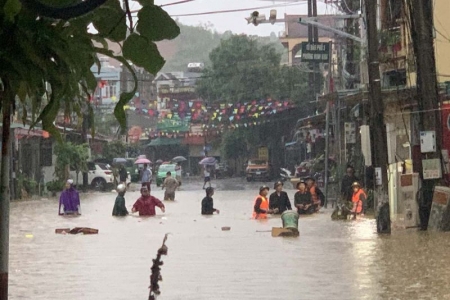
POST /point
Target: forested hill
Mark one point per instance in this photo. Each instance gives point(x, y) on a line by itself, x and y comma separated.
point(194, 45)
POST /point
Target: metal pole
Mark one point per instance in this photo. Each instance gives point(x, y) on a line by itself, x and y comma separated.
point(5, 193)
point(327, 152)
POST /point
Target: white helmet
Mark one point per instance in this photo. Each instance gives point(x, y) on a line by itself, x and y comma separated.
point(121, 188)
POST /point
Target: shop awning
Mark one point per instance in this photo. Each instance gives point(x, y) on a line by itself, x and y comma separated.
point(164, 142)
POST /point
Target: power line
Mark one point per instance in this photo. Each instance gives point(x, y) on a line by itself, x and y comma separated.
point(175, 3)
point(233, 10)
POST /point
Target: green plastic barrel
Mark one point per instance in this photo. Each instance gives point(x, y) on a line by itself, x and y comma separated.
point(290, 220)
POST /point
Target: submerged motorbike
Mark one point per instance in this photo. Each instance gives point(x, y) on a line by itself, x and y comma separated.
point(286, 176)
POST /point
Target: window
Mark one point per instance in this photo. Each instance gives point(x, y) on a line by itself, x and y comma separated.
point(394, 78)
point(46, 150)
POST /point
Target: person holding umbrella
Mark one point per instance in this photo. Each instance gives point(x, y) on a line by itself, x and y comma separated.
point(146, 177)
point(207, 176)
point(207, 161)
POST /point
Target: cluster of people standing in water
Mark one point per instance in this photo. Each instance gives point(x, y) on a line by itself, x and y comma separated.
point(307, 200)
point(69, 201)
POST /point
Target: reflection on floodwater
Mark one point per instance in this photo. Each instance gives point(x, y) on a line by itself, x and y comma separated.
point(330, 259)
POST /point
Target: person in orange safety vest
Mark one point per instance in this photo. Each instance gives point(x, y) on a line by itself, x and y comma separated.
point(358, 199)
point(317, 197)
point(261, 205)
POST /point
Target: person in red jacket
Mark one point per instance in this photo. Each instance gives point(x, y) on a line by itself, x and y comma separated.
point(146, 204)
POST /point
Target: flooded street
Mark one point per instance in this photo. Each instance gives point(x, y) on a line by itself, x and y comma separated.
point(330, 260)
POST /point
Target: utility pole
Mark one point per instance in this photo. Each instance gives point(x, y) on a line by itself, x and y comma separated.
point(311, 65)
point(421, 16)
point(350, 45)
point(378, 129)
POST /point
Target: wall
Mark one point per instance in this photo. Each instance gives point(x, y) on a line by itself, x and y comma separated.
point(442, 36)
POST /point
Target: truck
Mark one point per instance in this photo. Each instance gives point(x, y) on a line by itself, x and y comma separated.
point(258, 169)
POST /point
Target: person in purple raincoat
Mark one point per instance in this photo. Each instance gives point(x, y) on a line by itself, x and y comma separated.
point(69, 201)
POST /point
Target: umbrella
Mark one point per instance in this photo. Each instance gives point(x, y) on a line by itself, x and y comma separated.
point(178, 159)
point(208, 161)
point(119, 160)
point(159, 161)
point(142, 161)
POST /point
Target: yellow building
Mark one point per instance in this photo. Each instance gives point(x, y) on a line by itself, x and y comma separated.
point(442, 39)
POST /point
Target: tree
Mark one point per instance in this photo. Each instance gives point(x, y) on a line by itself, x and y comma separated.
point(70, 156)
point(241, 70)
point(46, 55)
point(246, 68)
point(114, 149)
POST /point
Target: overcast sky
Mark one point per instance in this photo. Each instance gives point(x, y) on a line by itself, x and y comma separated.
point(235, 21)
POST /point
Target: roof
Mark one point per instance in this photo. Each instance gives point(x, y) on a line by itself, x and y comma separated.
point(164, 142)
point(296, 30)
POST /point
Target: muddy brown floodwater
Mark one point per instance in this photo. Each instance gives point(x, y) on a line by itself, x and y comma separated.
point(330, 260)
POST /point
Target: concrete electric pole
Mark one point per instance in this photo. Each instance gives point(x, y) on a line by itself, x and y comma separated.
point(377, 127)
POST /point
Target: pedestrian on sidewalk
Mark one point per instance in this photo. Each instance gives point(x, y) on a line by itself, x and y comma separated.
point(120, 210)
point(207, 176)
point(69, 201)
point(208, 203)
point(358, 199)
point(279, 200)
point(261, 204)
point(170, 184)
point(146, 204)
point(146, 177)
point(302, 200)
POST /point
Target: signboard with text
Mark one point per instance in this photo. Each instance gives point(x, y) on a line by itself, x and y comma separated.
point(315, 52)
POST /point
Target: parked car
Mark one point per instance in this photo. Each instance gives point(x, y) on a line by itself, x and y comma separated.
point(258, 169)
point(162, 172)
point(100, 176)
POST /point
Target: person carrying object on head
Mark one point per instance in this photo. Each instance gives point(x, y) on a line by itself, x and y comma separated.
point(119, 206)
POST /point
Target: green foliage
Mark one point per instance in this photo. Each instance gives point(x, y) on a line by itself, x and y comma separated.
point(69, 155)
point(55, 185)
point(26, 183)
point(245, 69)
point(47, 63)
point(146, 53)
point(234, 145)
point(133, 150)
point(114, 149)
point(150, 19)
